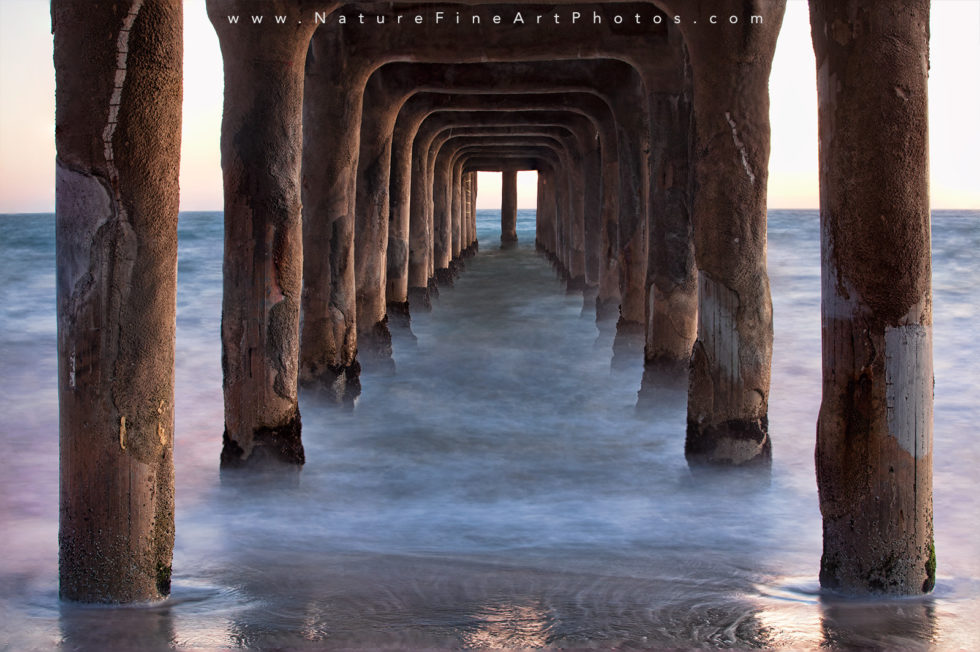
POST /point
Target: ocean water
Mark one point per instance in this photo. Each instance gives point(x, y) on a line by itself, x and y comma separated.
point(500, 490)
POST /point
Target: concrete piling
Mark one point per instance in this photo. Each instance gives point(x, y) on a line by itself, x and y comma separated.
point(508, 208)
point(118, 69)
point(874, 432)
point(261, 151)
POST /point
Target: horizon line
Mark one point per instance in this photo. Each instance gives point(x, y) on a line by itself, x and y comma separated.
point(526, 208)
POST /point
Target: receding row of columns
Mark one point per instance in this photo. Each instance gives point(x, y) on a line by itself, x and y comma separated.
point(350, 196)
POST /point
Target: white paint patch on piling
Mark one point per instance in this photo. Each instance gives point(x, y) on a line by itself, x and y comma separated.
point(909, 387)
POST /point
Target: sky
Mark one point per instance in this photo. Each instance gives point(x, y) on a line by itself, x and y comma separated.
point(27, 151)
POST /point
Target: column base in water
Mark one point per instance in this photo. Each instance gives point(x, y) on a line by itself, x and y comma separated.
point(737, 443)
point(338, 384)
point(374, 347)
point(575, 284)
point(665, 372)
point(399, 314)
point(456, 267)
point(272, 447)
point(444, 277)
point(606, 310)
point(590, 293)
point(628, 344)
point(400, 319)
point(420, 299)
point(662, 386)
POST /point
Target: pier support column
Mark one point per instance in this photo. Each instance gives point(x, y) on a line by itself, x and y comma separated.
point(592, 207)
point(575, 229)
point(442, 218)
point(261, 148)
point(672, 299)
point(545, 214)
point(508, 207)
point(633, 129)
point(399, 212)
point(333, 96)
point(457, 212)
point(372, 224)
point(728, 399)
point(874, 433)
point(608, 295)
point(420, 239)
point(468, 235)
point(119, 80)
point(474, 190)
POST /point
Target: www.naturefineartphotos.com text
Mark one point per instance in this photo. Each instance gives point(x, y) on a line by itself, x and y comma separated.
point(495, 18)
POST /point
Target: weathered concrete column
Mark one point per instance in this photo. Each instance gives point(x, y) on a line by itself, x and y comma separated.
point(468, 234)
point(562, 213)
point(575, 228)
point(333, 94)
point(261, 148)
point(672, 286)
point(874, 433)
point(420, 263)
point(457, 210)
point(590, 236)
point(474, 191)
point(634, 192)
point(608, 295)
point(728, 400)
point(371, 222)
point(469, 230)
point(545, 213)
point(399, 216)
point(399, 208)
point(119, 81)
point(442, 219)
point(573, 193)
point(508, 207)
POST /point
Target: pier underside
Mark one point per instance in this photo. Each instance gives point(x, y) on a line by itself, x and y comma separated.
point(350, 154)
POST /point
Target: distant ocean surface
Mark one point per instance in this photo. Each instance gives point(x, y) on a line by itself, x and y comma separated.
point(500, 489)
